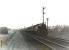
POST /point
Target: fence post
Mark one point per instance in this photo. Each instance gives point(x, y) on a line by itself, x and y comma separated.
point(1, 43)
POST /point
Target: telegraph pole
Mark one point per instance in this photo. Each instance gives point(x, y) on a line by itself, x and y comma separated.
point(47, 24)
point(43, 14)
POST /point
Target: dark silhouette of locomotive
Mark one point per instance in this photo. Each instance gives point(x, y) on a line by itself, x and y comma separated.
point(40, 29)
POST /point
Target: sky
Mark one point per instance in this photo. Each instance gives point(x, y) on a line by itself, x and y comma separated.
point(24, 13)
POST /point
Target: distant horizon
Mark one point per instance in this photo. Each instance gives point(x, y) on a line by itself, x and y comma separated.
point(33, 25)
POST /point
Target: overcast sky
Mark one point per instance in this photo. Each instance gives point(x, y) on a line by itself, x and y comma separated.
point(20, 13)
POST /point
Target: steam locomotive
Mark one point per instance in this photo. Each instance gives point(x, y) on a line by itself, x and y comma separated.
point(39, 29)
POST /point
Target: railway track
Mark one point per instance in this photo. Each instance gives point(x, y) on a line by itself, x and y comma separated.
point(21, 41)
point(50, 43)
point(53, 45)
point(57, 41)
point(61, 42)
